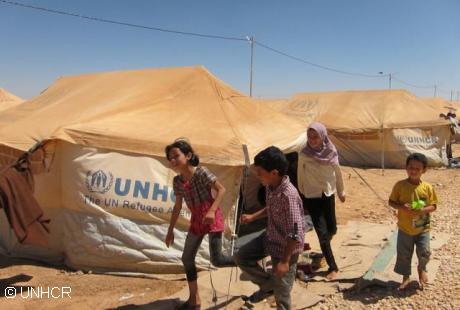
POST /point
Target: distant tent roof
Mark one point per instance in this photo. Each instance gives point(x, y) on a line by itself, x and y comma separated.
point(142, 111)
point(365, 110)
point(441, 104)
point(8, 100)
point(275, 104)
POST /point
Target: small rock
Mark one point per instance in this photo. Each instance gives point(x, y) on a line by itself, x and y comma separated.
point(126, 296)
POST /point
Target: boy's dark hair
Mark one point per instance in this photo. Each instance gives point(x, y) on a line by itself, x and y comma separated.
point(185, 148)
point(272, 158)
point(417, 157)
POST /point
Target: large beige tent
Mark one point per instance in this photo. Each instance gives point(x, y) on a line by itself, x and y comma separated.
point(274, 104)
point(376, 128)
point(441, 104)
point(445, 107)
point(103, 177)
point(8, 100)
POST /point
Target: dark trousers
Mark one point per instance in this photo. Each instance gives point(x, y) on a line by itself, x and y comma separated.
point(192, 244)
point(322, 212)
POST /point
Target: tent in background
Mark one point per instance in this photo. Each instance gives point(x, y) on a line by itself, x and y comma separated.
point(444, 106)
point(274, 104)
point(376, 128)
point(103, 178)
point(8, 100)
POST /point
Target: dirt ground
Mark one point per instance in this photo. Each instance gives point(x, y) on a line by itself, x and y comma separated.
point(367, 192)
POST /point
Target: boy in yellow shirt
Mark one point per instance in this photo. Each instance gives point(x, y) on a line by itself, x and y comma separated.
point(415, 200)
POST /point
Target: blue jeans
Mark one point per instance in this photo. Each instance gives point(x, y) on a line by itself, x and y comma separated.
point(405, 249)
point(246, 258)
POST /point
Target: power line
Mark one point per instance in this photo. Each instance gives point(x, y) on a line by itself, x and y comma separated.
point(315, 64)
point(109, 21)
point(444, 91)
point(103, 20)
point(211, 36)
point(411, 85)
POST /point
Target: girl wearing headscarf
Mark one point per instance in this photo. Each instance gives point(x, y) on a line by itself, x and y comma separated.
point(319, 179)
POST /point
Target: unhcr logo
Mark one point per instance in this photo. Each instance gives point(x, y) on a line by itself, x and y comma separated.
point(99, 181)
point(417, 140)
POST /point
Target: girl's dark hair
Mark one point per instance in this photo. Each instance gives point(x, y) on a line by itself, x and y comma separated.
point(185, 148)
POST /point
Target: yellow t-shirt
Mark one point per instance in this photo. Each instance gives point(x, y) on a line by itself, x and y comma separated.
point(405, 192)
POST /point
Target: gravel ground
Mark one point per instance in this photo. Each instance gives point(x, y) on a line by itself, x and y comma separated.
point(444, 292)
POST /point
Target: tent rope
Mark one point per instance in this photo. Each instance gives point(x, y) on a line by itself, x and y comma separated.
point(247, 164)
point(372, 189)
point(214, 292)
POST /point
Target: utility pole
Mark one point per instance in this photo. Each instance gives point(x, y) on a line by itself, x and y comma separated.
point(451, 95)
point(435, 86)
point(251, 40)
point(389, 77)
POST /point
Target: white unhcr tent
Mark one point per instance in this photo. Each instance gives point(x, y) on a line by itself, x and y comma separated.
point(376, 128)
point(102, 177)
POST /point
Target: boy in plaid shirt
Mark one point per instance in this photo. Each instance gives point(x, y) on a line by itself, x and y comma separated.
point(284, 237)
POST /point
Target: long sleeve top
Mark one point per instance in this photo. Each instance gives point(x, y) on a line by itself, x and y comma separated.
point(315, 179)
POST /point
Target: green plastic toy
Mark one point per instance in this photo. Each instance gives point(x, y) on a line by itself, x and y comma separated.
point(418, 205)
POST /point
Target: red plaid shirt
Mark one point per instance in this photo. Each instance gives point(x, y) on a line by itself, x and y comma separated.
point(284, 209)
point(198, 198)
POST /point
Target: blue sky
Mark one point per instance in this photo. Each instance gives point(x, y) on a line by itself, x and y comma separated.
point(419, 40)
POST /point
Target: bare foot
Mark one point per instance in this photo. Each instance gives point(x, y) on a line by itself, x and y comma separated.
point(405, 282)
point(422, 278)
point(331, 275)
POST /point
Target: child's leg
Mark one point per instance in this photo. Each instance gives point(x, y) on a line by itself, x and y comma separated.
point(246, 258)
point(331, 223)
point(192, 244)
point(283, 286)
point(329, 214)
point(215, 250)
point(422, 243)
point(316, 209)
point(404, 250)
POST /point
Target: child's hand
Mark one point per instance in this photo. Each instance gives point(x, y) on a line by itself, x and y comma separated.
point(280, 269)
point(169, 238)
point(342, 197)
point(246, 219)
point(424, 211)
point(408, 209)
point(209, 218)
